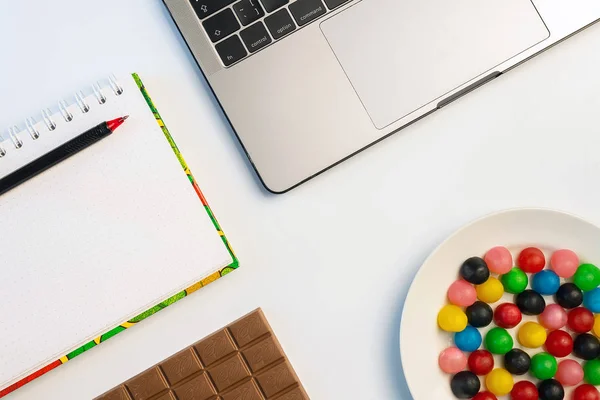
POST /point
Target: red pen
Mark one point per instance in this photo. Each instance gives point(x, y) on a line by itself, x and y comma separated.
point(60, 153)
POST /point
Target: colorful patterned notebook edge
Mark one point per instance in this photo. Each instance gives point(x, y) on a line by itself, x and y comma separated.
point(191, 289)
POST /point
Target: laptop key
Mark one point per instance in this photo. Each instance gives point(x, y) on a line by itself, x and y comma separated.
point(221, 25)
point(280, 24)
point(231, 50)
point(204, 8)
point(248, 11)
point(272, 5)
point(255, 37)
point(334, 3)
point(305, 11)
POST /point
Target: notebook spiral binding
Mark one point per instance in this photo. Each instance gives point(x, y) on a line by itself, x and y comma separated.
point(14, 133)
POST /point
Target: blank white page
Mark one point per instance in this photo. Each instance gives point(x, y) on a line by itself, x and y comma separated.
point(98, 238)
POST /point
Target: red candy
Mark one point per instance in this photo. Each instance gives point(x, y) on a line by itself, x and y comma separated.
point(484, 396)
point(531, 260)
point(580, 320)
point(507, 315)
point(524, 390)
point(586, 392)
point(481, 362)
point(559, 343)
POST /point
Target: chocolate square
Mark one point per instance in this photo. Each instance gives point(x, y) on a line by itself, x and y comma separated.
point(179, 366)
point(248, 329)
point(276, 379)
point(166, 396)
point(199, 388)
point(247, 391)
point(263, 353)
point(146, 384)
point(229, 373)
point(215, 347)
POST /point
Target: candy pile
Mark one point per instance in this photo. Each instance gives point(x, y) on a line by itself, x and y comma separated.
point(561, 330)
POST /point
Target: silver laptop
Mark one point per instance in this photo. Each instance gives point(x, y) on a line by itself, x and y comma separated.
point(308, 83)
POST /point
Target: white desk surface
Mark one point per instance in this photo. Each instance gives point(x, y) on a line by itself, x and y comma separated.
point(330, 263)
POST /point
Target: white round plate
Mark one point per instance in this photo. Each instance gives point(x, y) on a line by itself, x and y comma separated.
point(421, 340)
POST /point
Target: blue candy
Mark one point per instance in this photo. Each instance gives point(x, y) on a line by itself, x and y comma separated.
point(468, 339)
point(591, 300)
point(545, 282)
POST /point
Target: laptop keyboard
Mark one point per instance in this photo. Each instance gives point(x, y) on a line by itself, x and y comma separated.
point(238, 28)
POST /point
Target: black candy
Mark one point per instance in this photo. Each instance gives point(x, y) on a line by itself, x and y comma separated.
point(586, 346)
point(517, 362)
point(465, 385)
point(530, 302)
point(569, 295)
point(479, 314)
point(474, 270)
point(551, 389)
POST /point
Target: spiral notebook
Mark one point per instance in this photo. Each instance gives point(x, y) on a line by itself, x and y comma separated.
point(102, 240)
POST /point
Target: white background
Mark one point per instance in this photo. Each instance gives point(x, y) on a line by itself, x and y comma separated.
point(330, 262)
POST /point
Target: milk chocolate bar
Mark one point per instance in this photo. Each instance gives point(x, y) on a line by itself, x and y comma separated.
point(242, 361)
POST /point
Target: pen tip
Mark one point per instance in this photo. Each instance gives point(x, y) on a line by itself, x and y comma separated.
point(115, 123)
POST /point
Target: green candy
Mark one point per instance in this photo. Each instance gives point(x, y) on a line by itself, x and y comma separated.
point(498, 341)
point(591, 372)
point(543, 366)
point(587, 277)
point(515, 281)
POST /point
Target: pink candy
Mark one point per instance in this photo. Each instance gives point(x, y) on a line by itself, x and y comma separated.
point(499, 260)
point(554, 317)
point(564, 263)
point(462, 293)
point(452, 360)
point(569, 372)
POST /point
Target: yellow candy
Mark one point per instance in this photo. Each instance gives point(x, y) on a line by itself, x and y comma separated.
point(596, 328)
point(499, 382)
point(491, 291)
point(532, 335)
point(452, 319)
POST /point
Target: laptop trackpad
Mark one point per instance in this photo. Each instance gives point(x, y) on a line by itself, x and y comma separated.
point(402, 54)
